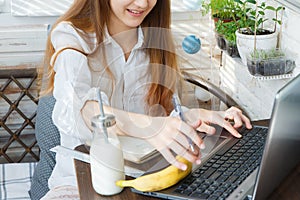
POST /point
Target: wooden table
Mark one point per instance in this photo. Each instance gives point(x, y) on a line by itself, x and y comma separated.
point(288, 189)
point(86, 189)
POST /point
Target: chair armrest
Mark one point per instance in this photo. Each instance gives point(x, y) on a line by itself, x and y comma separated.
point(19, 71)
point(210, 87)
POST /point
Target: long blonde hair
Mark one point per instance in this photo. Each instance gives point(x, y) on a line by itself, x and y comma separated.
point(93, 15)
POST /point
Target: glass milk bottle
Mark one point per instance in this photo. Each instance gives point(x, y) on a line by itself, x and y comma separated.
point(107, 163)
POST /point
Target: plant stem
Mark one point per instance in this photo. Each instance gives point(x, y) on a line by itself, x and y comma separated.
point(275, 27)
point(280, 32)
point(255, 26)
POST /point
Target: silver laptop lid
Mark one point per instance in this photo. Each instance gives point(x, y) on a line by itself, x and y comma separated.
point(282, 152)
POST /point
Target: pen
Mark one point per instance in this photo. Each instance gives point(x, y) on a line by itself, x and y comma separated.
point(177, 106)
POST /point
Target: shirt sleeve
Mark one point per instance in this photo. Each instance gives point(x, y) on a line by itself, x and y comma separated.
point(72, 88)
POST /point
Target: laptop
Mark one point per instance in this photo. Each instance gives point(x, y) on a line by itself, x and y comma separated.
point(252, 167)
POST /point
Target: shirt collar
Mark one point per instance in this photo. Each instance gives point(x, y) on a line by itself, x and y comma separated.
point(108, 39)
point(140, 38)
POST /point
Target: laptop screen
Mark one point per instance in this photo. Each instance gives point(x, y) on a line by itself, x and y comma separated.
point(281, 153)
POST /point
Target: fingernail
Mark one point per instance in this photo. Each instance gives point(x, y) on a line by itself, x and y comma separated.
point(202, 146)
point(198, 162)
point(183, 167)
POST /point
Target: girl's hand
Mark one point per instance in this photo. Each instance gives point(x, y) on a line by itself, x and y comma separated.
point(171, 134)
point(221, 118)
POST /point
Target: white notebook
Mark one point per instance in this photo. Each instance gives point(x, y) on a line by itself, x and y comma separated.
point(137, 150)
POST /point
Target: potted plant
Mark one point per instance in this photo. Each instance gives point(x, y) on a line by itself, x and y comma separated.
point(226, 31)
point(222, 11)
point(220, 34)
point(251, 33)
point(270, 62)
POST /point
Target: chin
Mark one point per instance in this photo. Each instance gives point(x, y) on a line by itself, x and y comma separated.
point(134, 24)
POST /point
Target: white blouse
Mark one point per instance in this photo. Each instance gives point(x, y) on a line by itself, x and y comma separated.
point(77, 79)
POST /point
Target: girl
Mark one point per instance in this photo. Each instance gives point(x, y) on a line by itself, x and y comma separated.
point(125, 48)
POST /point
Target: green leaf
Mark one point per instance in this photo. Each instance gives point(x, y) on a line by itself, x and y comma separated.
point(238, 1)
point(270, 8)
point(251, 1)
point(279, 8)
point(278, 21)
point(248, 9)
point(252, 17)
point(261, 12)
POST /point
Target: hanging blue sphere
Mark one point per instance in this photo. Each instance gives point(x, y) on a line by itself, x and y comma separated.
point(191, 44)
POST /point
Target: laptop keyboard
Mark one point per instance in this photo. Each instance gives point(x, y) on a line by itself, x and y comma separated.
point(227, 169)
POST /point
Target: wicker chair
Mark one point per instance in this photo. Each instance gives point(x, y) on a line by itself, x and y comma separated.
point(18, 103)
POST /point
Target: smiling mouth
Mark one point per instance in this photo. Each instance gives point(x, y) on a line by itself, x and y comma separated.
point(135, 12)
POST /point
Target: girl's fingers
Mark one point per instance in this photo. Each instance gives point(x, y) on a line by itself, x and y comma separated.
point(172, 160)
point(247, 122)
point(210, 130)
point(238, 117)
point(174, 139)
point(237, 120)
point(223, 122)
point(227, 125)
point(190, 132)
point(196, 124)
point(183, 141)
point(180, 150)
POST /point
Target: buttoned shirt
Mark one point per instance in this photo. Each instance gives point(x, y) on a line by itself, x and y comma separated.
point(77, 79)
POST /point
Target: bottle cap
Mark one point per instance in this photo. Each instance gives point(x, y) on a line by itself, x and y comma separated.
point(99, 121)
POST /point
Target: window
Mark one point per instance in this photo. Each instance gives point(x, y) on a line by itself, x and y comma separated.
point(39, 7)
point(292, 4)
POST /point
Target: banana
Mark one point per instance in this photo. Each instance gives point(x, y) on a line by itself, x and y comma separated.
point(158, 180)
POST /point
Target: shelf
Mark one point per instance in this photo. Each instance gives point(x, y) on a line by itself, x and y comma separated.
point(254, 94)
point(275, 77)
